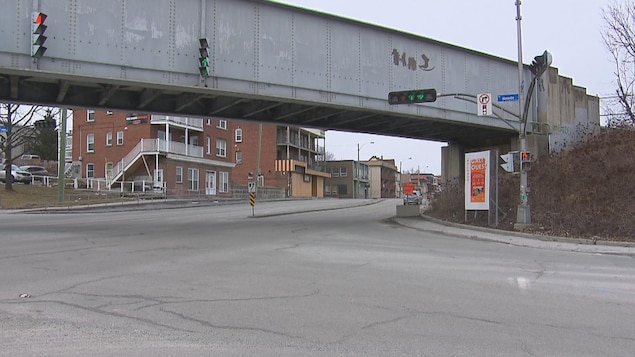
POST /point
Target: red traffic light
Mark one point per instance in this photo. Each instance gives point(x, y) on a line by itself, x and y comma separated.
point(524, 156)
point(39, 18)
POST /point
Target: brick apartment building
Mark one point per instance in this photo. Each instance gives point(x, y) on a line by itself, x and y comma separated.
point(189, 155)
point(288, 158)
point(175, 154)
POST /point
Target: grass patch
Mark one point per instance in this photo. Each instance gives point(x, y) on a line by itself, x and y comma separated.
point(37, 196)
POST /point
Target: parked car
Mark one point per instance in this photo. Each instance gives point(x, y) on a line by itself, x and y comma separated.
point(17, 173)
point(30, 157)
point(38, 172)
point(413, 198)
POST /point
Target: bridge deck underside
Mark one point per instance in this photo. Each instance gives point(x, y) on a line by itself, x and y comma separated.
point(134, 97)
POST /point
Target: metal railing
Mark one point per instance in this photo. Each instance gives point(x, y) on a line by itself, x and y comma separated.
point(192, 123)
point(154, 146)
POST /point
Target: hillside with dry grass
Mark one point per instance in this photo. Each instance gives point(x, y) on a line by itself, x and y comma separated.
point(583, 192)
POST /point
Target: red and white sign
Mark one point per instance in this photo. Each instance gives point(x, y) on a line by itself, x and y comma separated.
point(484, 104)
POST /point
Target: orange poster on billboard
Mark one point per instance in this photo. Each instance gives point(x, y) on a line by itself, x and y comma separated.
point(477, 180)
point(408, 188)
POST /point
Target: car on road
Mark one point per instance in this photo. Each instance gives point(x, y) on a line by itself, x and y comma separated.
point(38, 172)
point(413, 198)
point(17, 173)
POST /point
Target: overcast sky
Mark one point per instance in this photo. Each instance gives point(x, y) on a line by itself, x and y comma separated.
point(569, 29)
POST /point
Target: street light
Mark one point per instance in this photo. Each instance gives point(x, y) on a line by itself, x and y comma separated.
point(356, 173)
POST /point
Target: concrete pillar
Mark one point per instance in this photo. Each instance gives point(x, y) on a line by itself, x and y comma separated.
point(452, 163)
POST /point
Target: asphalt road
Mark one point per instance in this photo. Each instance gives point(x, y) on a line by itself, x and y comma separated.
point(211, 280)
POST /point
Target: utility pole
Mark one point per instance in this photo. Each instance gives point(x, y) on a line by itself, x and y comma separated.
point(523, 213)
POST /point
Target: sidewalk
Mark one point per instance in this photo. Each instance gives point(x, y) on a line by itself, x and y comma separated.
point(428, 224)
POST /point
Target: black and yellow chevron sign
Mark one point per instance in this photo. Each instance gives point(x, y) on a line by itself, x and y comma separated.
point(252, 199)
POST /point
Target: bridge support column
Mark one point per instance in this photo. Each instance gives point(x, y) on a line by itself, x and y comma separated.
point(452, 163)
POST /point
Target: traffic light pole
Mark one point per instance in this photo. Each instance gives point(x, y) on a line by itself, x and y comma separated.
point(523, 213)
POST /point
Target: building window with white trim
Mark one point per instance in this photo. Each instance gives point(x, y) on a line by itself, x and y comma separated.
point(239, 135)
point(343, 172)
point(223, 181)
point(90, 170)
point(221, 148)
point(192, 179)
point(120, 138)
point(179, 174)
point(109, 138)
point(90, 115)
point(208, 145)
point(90, 142)
point(222, 124)
point(239, 157)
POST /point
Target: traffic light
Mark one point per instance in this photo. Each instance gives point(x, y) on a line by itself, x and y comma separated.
point(38, 28)
point(412, 96)
point(203, 60)
point(525, 161)
point(508, 160)
point(540, 63)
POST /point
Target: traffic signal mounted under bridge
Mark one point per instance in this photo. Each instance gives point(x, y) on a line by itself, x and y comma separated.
point(412, 96)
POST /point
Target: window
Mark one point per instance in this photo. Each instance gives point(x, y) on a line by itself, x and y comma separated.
point(335, 172)
point(222, 124)
point(307, 178)
point(343, 172)
point(221, 148)
point(239, 135)
point(90, 115)
point(109, 112)
point(223, 181)
point(192, 179)
point(179, 174)
point(90, 142)
point(194, 140)
point(209, 122)
point(90, 170)
point(239, 157)
point(208, 145)
point(120, 138)
point(109, 138)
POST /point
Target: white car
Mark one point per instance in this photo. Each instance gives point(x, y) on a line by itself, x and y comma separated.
point(17, 174)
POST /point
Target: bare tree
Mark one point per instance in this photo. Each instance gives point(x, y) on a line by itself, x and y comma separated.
point(619, 38)
point(18, 131)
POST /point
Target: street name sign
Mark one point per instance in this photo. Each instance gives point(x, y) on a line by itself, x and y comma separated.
point(508, 97)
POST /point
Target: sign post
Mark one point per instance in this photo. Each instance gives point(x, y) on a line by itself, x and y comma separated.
point(252, 196)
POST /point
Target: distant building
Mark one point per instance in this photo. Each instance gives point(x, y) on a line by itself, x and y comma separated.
point(383, 177)
point(349, 179)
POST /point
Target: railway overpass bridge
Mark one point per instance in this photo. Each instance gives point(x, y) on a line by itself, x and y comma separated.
point(275, 63)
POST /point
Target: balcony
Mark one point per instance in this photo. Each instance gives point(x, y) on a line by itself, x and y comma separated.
point(181, 122)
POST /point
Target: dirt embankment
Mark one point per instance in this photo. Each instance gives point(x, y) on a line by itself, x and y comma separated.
point(584, 192)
